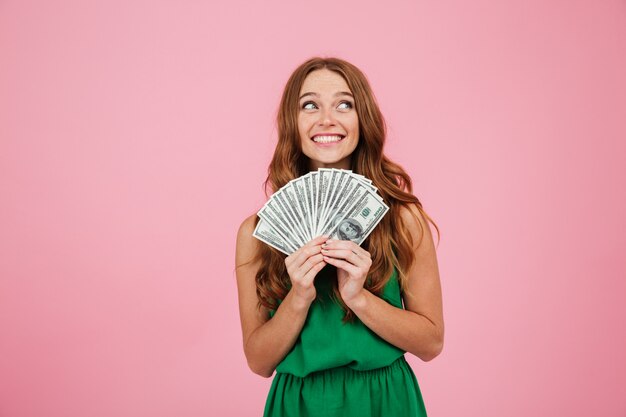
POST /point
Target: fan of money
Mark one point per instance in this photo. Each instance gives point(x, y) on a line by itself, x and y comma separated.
point(333, 202)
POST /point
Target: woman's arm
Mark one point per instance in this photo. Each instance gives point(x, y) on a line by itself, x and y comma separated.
point(418, 329)
point(267, 341)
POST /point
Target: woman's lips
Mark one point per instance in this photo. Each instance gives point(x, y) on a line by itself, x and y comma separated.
point(327, 138)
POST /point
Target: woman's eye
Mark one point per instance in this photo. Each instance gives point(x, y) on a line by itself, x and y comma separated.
point(345, 105)
point(309, 105)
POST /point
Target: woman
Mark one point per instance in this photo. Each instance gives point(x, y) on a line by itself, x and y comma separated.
point(329, 318)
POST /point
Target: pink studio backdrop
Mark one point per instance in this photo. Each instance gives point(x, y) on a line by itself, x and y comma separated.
point(134, 138)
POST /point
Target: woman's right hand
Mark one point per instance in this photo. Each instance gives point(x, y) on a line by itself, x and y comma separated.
point(302, 267)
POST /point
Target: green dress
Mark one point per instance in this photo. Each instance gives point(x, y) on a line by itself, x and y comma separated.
point(343, 370)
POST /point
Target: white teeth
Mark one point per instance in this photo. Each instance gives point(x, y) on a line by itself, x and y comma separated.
point(326, 139)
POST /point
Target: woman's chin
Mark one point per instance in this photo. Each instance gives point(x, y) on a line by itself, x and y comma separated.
point(326, 161)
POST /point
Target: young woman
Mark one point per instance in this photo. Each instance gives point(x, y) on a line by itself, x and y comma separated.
point(334, 319)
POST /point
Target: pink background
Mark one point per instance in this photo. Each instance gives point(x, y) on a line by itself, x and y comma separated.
point(134, 138)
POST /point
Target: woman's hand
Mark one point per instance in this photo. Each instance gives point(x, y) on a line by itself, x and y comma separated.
point(353, 264)
point(302, 267)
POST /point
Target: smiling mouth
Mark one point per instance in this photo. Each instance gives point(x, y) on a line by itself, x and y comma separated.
point(327, 138)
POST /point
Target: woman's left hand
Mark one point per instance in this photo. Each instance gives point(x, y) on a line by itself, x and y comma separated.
point(353, 264)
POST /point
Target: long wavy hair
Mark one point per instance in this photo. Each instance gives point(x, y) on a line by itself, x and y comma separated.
point(390, 244)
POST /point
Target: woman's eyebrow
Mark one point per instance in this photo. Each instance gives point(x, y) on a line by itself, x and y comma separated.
point(309, 94)
point(340, 93)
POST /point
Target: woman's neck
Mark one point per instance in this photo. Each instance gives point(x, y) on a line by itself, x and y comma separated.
point(343, 164)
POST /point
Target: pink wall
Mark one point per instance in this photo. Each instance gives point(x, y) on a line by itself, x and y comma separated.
point(134, 137)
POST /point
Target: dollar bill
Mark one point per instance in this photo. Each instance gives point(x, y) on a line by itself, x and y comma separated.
point(334, 202)
point(280, 227)
point(286, 202)
point(276, 208)
point(359, 220)
point(324, 177)
point(266, 233)
point(345, 192)
point(297, 190)
point(313, 178)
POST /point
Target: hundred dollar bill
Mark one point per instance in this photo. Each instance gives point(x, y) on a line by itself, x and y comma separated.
point(343, 192)
point(265, 233)
point(330, 201)
point(287, 205)
point(313, 181)
point(322, 188)
point(278, 225)
point(367, 182)
point(277, 209)
point(355, 195)
point(290, 201)
point(360, 219)
point(308, 192)
point(335, 192)
point(333, 175)
point(299, 191)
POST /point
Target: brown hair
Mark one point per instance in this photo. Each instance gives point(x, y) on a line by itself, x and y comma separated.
point(389, 244)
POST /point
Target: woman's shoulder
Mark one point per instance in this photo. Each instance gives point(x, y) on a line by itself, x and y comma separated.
point(247, 225)
point(247, 245)
point(415, 221)
point(412, 216)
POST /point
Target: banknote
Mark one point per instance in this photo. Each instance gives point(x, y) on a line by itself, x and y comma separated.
point(267, 234)
point(329, 201)
point(359, 220)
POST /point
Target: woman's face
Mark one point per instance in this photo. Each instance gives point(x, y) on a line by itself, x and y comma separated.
point(327, 120)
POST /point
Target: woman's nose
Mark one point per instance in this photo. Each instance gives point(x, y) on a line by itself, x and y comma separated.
point(327, 117)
